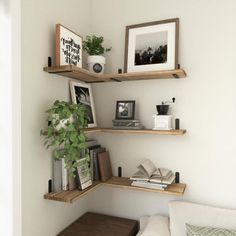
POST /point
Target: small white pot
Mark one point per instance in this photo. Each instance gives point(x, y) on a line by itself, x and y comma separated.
point(96, 64)
point(62, 123)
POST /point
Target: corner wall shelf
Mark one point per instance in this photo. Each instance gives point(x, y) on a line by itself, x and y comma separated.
point(117, 182)
point(81, 74)
point(138, 131)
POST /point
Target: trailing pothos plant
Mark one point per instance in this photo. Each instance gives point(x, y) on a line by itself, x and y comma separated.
point(65, 132)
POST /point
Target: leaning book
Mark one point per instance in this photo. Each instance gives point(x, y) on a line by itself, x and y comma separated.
point(83, 174)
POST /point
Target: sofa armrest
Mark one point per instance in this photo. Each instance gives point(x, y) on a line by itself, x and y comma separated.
point(157, 226)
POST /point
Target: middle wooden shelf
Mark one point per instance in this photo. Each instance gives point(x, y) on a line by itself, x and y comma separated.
point(117, 182)
point(137, 131)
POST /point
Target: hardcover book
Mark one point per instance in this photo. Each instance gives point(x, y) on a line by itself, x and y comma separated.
point(96, 173)
point(104, 166)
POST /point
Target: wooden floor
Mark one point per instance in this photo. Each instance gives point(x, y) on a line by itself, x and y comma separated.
point(117, 182)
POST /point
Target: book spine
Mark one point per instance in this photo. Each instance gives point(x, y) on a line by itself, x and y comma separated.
point(57, 175)
point(78, 181)
point(64, 176)
point(95, 166)
point(135, 184)
point(91, 164)
point(71, 182)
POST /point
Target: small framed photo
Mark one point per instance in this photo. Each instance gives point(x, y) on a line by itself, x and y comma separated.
point(152, 46)
point(125, 110)
point(68, 47)
point(81, 93)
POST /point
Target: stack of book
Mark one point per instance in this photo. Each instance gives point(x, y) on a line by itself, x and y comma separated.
point(88, 169)
point(151, 177)
point(127, 124)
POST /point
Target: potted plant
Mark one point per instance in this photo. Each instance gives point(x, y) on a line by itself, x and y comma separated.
point(65, 132)
point(93, 46)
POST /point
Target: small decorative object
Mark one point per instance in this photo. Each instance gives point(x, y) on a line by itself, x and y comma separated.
point(93, 46)
point(81, 93)
point(119, 171)
point(162, 121)
point(49, 61)
point(152, 46)
point(119, 71)
point(177, 124)
point(49, 185)
point(177, 177)
point(164, 108)
point(68, 139)
point(68, 47)
point(125, 110)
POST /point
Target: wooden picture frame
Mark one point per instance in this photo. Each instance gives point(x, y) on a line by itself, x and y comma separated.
point(152, 46)
point(68, 47)
point(81, 93)
point(125, 110)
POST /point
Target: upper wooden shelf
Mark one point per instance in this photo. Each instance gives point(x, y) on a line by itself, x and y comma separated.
point(117, 182)
point(81, 74)
point(137, 131)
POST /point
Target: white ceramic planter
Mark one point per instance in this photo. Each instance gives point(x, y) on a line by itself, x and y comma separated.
point(96, 64)
point(62, 123)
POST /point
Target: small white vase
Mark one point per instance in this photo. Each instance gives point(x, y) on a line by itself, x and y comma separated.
point(96, 64)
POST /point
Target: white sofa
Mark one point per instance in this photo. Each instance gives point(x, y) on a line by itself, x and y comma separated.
point(187, 212)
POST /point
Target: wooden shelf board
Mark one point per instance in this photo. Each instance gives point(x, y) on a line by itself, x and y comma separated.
point(92, 130)
point(173, 189)
point(161, 74)
point(74, 72)
point(71, 196)
point(139, 131)
point(90, 77)
point(117, 182)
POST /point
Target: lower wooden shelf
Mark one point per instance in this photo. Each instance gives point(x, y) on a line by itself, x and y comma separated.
point(117, 182)
point(173, 189)
point(71, 196)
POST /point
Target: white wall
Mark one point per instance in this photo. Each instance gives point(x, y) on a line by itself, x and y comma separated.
point(205, 104)
point(205, 156)
point(10, 134)
point(39, 91)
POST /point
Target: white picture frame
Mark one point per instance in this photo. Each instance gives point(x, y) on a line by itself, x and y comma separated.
point(152, 46)
point(68, 47)
point(81, 93)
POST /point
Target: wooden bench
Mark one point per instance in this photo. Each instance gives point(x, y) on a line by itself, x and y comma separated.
point(93, 224)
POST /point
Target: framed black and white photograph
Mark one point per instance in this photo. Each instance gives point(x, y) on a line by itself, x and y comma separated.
point(68, 47)
point(81, 93)
point(152, 46)
point(125, 110)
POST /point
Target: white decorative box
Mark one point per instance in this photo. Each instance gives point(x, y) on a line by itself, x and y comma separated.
point(162, 122)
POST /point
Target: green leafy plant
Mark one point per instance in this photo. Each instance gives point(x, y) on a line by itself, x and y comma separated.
point(93, 45)
point(65, 132)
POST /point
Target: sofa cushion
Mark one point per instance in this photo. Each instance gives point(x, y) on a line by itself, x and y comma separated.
point(157, 226)
point(193, 230)
point(182, 213)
